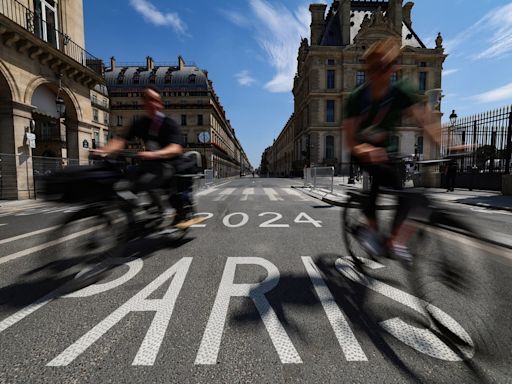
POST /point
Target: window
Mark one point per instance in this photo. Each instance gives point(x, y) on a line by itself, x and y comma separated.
point(199, 119)
point(119, 121)
point(183, 120)
point(185, 140)
point(423, 64)
point(423, 81)
point(330, 62)
point(46, 21)
point(360, 78)
point(136, 78)
point(394, 78)
point(192, 79)
point(105, 118)
point(105, 137)
point(168, 77)
point(94, 98)
point(329, 111)
point(152, 78)
point(331, 76)
point(419, 146)
point(95, 114)
point(329, 147)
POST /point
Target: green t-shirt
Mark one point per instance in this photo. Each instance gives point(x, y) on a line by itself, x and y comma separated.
point(380, 117)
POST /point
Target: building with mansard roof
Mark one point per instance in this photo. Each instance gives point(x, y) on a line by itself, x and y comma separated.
point(330, 66)
point(189, 98)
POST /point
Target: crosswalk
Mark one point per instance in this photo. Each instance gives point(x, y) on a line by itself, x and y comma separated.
point(253, 194)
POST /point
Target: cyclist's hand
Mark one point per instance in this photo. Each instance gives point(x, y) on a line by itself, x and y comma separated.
point(369, 154)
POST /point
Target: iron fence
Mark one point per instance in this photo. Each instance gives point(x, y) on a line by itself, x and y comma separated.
point(33, 22)
point(488, 135)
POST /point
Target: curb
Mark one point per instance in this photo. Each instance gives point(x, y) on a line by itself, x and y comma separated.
point(341, 204)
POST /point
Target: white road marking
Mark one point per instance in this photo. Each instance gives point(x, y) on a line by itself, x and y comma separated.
point(422, 340)
point(223, 195)
point(293, 192)
point(148, 351)
point(34, 233)
point(206, 192)
point(346, 338)
point(272, 194)
point(25, 252)
point(210, 344)
point(246, 192)
point(1, 225)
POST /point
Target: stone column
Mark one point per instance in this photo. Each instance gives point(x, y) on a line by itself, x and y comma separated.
point(22, 166)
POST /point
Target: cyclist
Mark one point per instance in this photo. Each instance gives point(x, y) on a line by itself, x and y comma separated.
point(372, 112)
point(161, 159)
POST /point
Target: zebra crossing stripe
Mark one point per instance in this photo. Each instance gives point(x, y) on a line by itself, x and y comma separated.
point(272, 194)
point(224, 194)
point(295, 193)
point(246, 192)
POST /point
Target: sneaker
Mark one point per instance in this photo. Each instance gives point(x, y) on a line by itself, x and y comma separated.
point(369, 240)
point(401, 253)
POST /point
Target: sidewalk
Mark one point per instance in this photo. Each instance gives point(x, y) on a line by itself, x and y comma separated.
point(480, 198)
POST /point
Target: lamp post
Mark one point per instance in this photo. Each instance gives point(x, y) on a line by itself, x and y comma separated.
point(453, 121)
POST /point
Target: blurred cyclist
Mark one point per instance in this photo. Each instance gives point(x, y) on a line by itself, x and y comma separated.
point(163, 142)
point(373, 111)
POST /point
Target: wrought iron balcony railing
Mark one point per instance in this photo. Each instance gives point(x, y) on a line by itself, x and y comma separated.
point(33, 22)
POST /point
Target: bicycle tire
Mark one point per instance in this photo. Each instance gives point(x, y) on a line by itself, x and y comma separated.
point(448, 273)
point(83, 240)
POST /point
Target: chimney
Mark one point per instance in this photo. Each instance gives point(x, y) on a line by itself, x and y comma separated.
point(150, 64)
point(317, 22)
point(181, 62)
point(406, 10)
point(344, 15)
point(395, 14)
point(112, 63)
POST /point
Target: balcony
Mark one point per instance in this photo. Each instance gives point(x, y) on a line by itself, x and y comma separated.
point(26, 32)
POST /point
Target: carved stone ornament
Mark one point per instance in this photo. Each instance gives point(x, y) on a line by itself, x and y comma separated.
point(439, 41)
point(375, 27)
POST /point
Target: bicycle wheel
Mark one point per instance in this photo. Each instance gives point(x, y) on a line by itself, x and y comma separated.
point(81, 242)
point(353, 220)
point(453, 285)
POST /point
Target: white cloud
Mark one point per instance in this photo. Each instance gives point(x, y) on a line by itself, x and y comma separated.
point(244, 78)
point(236, 18)
point(279, 31)
point(154, 16)
point(498, 94)
point(497, 24)
point(449, 72)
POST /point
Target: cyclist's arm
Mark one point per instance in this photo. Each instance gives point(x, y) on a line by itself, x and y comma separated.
point(167, 152)
point(364, 151)
point(115, 144)
point(425, 119)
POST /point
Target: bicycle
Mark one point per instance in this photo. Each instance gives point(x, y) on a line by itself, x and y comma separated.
point(109, 216)
point(441, 275)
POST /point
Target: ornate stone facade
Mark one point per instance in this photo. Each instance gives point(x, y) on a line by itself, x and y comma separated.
point(43, 60)
point(330, 66)
point(189, 98)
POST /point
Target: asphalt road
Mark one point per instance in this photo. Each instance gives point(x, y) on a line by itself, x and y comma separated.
point(261, 293)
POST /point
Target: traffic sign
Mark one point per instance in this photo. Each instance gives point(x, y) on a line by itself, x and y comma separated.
point(204, 137)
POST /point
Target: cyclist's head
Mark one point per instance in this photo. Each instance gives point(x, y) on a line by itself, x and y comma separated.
point(152, 101)
point(381, 58)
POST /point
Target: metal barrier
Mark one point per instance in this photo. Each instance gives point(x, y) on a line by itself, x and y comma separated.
point(208, 177)
point(320, 177)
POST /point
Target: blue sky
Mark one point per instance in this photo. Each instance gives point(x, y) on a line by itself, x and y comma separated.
point(249, 48)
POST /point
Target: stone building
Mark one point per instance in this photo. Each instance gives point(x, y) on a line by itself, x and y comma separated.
point(330, 66)
point(189, 98)
point(46, 80)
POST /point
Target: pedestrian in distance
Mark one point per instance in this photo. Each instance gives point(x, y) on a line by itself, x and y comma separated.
point(451, 175)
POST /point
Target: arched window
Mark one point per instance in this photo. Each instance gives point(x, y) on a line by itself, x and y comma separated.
point(329, 147)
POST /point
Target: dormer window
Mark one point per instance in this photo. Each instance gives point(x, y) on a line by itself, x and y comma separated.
point(168, 77)
point(192, 79)
point(136, 78)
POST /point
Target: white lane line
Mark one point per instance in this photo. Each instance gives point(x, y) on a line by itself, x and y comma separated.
point(19, 237)
point(223, 195)
point(28, 251)
point(246, 192)
point(2, 225)
point(206, 192)
point(272, 194)
point(295, 193)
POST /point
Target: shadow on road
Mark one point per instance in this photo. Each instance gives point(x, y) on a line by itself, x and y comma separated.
point(56, 276)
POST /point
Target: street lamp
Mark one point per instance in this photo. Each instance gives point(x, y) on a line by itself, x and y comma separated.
point(453, 121)
point(59, 101)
